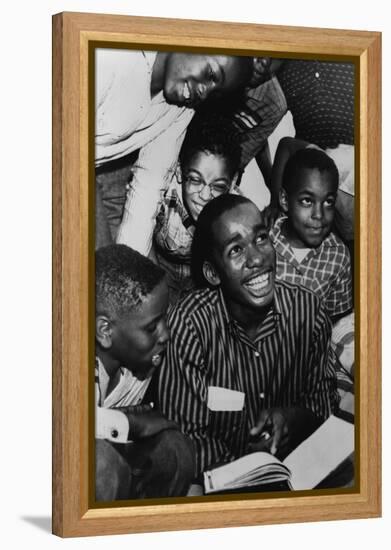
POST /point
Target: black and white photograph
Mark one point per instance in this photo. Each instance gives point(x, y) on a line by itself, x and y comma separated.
point(224, 274)
point(192, 264)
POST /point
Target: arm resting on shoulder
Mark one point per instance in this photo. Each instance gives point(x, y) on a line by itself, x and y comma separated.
point(264, 161)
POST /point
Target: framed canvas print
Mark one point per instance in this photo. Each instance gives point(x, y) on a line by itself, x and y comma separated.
point(216, 239)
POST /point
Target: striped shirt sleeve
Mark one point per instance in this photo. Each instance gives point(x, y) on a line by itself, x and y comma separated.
point(320, 394)
point(183, 391)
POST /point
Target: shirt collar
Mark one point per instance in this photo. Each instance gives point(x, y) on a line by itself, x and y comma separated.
point(102, 378)
point(282, 245)
point(269, 323)
point(101, 381)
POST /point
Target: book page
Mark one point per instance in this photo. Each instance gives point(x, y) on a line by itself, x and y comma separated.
point(230, 473)
point(321, 453)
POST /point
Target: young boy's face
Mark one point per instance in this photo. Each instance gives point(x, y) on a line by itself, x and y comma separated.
point(205, 177)
point(310, 207)
point(138, 341)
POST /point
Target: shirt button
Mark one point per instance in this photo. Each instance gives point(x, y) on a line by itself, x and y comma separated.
point(114, 433)
point(257, 354)
point(262, 395)
point(317, 75)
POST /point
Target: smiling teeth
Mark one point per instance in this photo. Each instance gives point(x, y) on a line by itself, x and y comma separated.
point(186, 91)
point(258, 282)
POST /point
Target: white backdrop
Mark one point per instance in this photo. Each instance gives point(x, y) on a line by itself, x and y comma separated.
point(25, 218)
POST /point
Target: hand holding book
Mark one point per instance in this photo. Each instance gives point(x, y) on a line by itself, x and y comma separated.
point(304, 468)
point(279, 430)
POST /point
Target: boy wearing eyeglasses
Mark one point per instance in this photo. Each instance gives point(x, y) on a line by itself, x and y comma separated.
point(208, 167)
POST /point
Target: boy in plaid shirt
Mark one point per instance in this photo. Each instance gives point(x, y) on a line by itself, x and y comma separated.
point(308, 253)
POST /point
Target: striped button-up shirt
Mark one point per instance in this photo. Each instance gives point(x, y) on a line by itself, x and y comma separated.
point(325, 270)
point(288, 364)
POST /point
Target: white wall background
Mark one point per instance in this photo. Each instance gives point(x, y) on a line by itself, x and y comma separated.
point(25, 299)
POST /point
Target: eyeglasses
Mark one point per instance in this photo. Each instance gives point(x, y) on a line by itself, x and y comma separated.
point(197, 185)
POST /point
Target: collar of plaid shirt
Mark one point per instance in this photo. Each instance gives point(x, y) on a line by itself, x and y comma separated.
point(283, 246)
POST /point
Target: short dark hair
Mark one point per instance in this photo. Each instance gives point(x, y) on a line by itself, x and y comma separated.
point(123, 278)
point(202, 245)
point(309, 158)
point(214, 134)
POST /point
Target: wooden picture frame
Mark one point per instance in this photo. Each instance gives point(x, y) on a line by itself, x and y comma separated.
point(72, 245)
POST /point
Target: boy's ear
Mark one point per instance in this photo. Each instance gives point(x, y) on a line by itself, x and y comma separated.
point(283, 198)
point(103, 331)
point(210, 273)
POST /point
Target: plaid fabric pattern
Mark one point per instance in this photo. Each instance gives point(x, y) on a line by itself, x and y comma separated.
point(258, 116)
point(325, 270)
point(174, 228)
point(173, 235)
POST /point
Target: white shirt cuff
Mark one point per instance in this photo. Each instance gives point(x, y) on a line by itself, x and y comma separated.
point(112, 425)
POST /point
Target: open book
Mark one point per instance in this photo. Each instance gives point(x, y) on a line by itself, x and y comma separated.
point(304, 468)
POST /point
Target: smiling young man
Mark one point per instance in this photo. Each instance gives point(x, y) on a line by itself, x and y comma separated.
point(248, 355)
point(144, 102)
